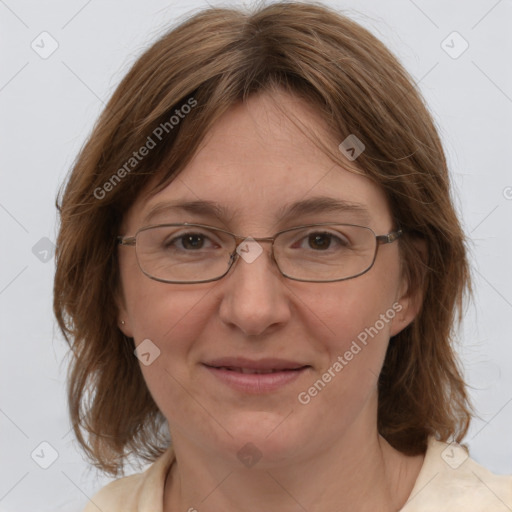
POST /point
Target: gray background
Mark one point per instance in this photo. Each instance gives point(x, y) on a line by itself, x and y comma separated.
point(47, 108)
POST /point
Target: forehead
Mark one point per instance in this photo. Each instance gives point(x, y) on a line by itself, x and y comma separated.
point(258, 166)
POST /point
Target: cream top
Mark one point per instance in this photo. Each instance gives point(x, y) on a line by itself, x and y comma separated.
point(449, 481)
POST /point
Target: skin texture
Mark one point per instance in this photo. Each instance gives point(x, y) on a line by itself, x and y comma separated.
point(326, 455)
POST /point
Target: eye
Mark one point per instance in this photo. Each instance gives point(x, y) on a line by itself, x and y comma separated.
point(319, 241)
point(190, 242)
point(322, 241)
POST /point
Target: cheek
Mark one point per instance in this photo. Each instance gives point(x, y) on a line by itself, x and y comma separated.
point(168, 314)
point(173, 319)
point(355, 317)
point(354, 307)
point(156, 309)
point(165, 320)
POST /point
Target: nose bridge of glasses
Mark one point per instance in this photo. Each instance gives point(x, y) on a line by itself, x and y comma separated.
point(239, 240)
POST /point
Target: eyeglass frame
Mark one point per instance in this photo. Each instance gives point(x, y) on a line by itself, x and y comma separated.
point(131, 241)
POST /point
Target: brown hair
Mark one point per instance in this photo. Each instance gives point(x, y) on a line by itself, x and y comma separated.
point(211, 61)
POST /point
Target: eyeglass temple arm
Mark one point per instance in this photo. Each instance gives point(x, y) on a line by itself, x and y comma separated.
point(128, 240)
point(390, 237)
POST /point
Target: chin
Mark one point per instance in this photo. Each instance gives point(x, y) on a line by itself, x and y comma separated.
point(263, 438)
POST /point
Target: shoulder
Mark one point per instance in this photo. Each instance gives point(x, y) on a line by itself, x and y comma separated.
point(450, 480)
point(139, 492)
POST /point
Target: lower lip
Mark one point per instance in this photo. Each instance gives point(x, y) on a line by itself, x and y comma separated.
point(256, 383)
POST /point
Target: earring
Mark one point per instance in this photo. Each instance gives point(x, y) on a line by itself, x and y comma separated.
point(122, 322)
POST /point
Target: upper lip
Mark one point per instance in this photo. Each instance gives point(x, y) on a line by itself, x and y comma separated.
point(251, 364)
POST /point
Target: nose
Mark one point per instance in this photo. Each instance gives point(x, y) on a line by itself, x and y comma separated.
point(254, 296)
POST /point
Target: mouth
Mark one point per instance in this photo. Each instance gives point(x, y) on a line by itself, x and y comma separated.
point(255, 377)
point(255, 371)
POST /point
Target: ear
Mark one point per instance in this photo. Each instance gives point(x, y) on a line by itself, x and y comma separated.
point(123, 318)
point(410, 294)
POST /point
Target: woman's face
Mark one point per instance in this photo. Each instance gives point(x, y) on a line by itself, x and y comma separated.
point(254, 164)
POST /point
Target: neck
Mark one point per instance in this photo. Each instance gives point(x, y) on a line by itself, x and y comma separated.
point(359, 473)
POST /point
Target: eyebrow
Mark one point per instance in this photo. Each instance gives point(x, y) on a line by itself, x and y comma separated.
point(212, 209)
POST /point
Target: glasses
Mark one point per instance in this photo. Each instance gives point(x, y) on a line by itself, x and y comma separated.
point(195, 253)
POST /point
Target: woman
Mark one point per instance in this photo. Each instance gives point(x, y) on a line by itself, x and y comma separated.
point(258, 270)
